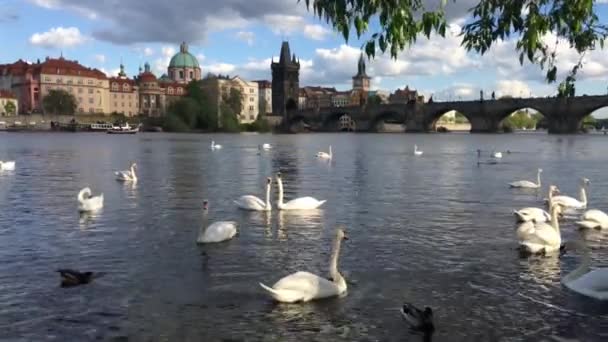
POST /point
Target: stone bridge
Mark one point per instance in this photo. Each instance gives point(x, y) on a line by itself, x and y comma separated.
point(563, 115)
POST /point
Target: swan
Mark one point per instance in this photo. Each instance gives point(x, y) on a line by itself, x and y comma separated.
point(592, 284)
point(497, 155)
point(217, 231)
point(593, 219)
point(250, 202)
point(528, 184)
point(265, 147)
point(416, 151)
point(88, 202)
point(541, 237)
point(323, 155)
point(570, 202)
point(128, 175)
point(535, 214)
point(302, 203)
point(215, 146)
point(305, 286)
point(418, 319)
point(7, 165)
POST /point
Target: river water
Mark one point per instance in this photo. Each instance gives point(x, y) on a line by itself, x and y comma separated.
point(433, 230)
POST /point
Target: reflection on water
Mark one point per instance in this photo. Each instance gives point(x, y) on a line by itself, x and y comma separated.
point(435, 230)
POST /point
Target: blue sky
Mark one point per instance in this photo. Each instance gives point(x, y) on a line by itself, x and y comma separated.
point(240, 36)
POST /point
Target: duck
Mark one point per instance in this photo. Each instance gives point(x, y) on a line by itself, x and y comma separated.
point(592, 284)
point(416, 151)
point(301, 203)
point(217, 231)
point(128, 175)
point(71, 277)
point(541, 237)
point(421, 320)
point(7, 165)
point(254, 203)
point(593, 219)
point(215, 146)
point(528, 184)
point(324, 155)
point(305, 286)
point(533, 213)
point(86, 202)
point(571, 202)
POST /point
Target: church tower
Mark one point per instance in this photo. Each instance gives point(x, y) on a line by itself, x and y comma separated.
point(285, 82)
point(361, 80)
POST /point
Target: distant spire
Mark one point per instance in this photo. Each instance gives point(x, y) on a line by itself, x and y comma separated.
point(183, 48)
point(147, 67)
point(361, 66)
point(285, 53)
point(61, 54)
point(122, 73)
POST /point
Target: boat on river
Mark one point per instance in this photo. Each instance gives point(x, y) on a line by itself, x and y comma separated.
point(124, 129)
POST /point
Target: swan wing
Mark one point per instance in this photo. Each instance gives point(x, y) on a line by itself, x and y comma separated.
point(588, 224)
point(545, 234)
point(532, 214)
point(250, 202)
point(595, 215)
point(8, 165)
point(592, 284)
point(218, 232)
point(323, 155)
point(123, 175)
point(303, 203)
point(309, 286)
point(524, 230)
point(523, 184)
point(567, 201)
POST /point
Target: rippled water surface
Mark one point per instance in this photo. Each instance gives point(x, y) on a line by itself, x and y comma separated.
point(433, 230)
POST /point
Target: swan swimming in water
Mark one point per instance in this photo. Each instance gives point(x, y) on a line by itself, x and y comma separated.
point(251, 202)
point(86, 202)
point(421, 320)
point(305, 286)
point(302, 203)
point(416, 151)
point(217, 231)
point(541, 237)
point(535, 214)
point(592, 284)
point(528, 184)
point(326, 156)
point(593, 219)
point(215, 146)
point(265, 147)
point(7, 165)
point(571, 202)
point(497, 155)
point(128, 175)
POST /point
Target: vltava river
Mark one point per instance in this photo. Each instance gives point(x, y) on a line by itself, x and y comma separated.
point(433, 230)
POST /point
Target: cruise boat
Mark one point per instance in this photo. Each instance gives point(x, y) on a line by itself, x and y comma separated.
point(124, 129)
point(101, 127)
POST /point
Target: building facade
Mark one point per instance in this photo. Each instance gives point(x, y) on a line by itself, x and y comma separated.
point(218, 88)
point(9, 105)
point(406, 96)
point(124, 94)
point(265, 97)
point(285, 82)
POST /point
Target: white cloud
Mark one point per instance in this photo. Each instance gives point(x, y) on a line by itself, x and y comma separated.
point(221, 68)
point(148, 52)
point(100, 58)
point(513, 88)
point(246, 36)
point(111, 72)
point(59, 37)
point(316, 32)
point(161, 63)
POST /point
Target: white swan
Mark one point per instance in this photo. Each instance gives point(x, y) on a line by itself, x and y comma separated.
point(302, 203)
point(497, 155)
point(7, 165)
point(535, 214)
point(250, 202)
point(305, 286)
point(416, 151)
point(570, 202)
point(128, 175)
point(265, 147)
point(593, 219)
point(217, 231)
point(528, 184)
point(215, 146)
point(592, 284)
point(323, 155)
point(86, 202)
point(541, 237)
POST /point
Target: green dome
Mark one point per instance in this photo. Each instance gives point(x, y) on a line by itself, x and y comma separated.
point(183, 59)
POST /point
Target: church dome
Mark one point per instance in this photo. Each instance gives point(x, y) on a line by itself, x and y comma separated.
point(183, 59)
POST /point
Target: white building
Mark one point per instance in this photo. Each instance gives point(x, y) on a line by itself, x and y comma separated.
point(265, 97)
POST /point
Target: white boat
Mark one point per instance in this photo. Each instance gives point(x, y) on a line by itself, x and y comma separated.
point(124, 129)
point(101, 127)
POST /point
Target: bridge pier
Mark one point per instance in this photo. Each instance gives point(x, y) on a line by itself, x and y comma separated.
point(565, 125)
point(484, 124)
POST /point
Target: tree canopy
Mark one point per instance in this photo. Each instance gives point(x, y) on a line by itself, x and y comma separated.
point(59, 102)
point(530, 21)
point(10, 108)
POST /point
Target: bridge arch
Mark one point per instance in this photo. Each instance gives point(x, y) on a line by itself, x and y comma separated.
point(522, 119)
point(448, 119)
point(387, 117)
point(298, 123)
point(339, 120)
point(595, 120)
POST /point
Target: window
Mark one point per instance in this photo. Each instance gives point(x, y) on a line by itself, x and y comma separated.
point(251, 90)
point(91, 110)
point(79, 90)
point(47, 79)
point(91, 100)
point(125, 87)
point(79, 81)
point(251, 117)
point(59, 80)
point(251, 99)
point(90, 82)
point(250, 108)
point(191, 74)
point(69, 82)
point(170, 90)
point(114, 86)
point(114, 95)
point(90, 90)
point(181, 74)
point(179, 90)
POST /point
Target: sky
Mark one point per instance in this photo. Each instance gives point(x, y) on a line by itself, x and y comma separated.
point(240, 37)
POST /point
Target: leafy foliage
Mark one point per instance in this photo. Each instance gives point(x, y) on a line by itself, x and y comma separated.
point(10, 108)
point(59, 102)
point(402, 21)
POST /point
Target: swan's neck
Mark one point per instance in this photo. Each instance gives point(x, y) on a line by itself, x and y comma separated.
point(280, 186)
point(583, 195)
point(333, 266)
point(133, 175)
point(267, 195)
point(83, 194)
point(330, 154)
point(554, 220)
point(538, 179)
point(580, 270)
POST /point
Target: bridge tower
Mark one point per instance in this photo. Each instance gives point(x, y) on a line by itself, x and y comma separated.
point(361, 80)
point(285, 82)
